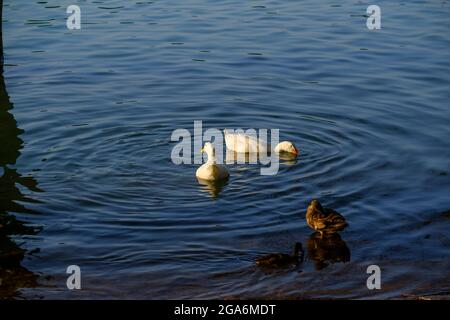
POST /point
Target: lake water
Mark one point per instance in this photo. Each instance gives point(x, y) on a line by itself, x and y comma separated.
point(87, 179)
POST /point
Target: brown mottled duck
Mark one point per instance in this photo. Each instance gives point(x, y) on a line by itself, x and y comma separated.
point(324, 220)
point(277, 260)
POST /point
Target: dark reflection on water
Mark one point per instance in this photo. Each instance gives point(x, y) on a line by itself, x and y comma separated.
point(98, 106)
point(212, 187)
point(327, 249)
point(13, 276)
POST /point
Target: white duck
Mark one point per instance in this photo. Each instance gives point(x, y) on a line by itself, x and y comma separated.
point(241, 142)
point(211, 171)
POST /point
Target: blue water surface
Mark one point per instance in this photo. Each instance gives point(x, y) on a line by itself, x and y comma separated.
point(87, 176)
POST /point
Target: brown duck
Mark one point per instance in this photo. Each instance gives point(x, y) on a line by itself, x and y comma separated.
point(324, 220)
point(276, 260)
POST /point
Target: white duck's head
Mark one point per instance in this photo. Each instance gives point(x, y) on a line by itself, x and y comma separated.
point(288, 147)
point(209, 149)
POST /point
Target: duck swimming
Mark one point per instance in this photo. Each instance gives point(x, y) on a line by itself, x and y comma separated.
point(211, 171)
point(276, 260)
point(324, 220)
point(244, 143)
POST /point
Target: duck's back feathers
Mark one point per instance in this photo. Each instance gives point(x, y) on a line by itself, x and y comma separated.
point(324, 220)
point(243, 143)
point(276, 260)
point(334, 220)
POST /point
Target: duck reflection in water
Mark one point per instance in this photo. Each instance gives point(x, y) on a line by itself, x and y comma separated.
point(327, 249)
point(212, 187)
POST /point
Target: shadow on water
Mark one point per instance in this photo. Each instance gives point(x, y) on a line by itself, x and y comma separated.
point(13, 275)
point(327, 249)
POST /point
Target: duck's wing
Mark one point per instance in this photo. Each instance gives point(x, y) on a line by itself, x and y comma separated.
point(241, 142)
point(334, 220)
point(328, 219)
